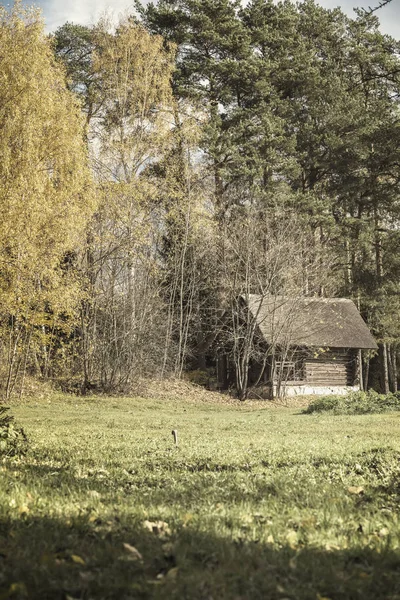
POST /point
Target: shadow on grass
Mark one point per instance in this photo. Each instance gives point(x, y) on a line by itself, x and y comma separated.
point(55, 559)
point(59, 557)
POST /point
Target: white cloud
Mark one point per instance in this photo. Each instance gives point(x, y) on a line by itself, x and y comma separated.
point(84, 12)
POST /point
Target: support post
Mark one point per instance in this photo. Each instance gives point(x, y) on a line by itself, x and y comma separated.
point(360, 371)
point(175, 434)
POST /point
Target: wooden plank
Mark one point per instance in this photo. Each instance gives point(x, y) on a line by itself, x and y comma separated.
point(334, 370)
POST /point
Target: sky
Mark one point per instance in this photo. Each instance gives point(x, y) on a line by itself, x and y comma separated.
point(86, 12)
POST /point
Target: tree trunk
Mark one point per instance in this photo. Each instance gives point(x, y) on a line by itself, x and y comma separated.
point(87, 314)
point(360, 371)
point(392, 367)
point(366, 374)
point(272, 374)
point(242, 373)
point(385, 368)
point(222, 371)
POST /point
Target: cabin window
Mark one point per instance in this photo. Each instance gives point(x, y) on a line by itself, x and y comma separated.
point(289, 370)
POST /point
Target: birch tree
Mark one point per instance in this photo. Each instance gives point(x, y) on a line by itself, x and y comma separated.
point(46, 194)
point(121, 319)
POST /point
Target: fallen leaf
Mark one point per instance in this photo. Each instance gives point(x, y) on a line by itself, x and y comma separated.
point(270, 539)
point(172, 573)
point(331, 547)
point(384, 532)
point(133, 552)
point(94, 494)
point(159, 528)
point(292, 539)
point(77, 559)
point(355, 489)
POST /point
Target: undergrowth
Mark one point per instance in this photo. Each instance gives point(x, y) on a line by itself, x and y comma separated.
point(12, 438)
point(355, 403)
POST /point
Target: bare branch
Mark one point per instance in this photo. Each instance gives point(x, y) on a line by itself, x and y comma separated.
point(371, 10)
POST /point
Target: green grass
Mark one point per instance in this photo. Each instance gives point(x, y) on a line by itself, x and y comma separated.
point(255, 503)
point(355, 403)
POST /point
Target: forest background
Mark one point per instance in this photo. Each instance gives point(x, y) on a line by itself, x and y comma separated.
point(154, 171)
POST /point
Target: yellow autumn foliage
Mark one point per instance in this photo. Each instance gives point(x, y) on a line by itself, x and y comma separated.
point(135, 70)
point(46, 194)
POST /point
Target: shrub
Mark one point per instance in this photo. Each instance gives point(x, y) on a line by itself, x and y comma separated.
point(355, 403)
point(12, 438)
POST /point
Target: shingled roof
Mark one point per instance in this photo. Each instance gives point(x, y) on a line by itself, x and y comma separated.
point(315, 322)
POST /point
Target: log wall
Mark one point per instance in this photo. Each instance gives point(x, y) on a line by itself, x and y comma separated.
point(331, 368)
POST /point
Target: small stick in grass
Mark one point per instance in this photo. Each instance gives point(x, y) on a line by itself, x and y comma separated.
point(175, 434)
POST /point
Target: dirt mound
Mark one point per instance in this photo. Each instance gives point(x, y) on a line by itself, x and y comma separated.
point(178, 389)
point(172, 389)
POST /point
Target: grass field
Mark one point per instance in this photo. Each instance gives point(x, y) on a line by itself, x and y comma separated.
point(255, 503)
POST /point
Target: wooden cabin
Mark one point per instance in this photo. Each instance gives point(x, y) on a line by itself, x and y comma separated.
point(301, 346)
